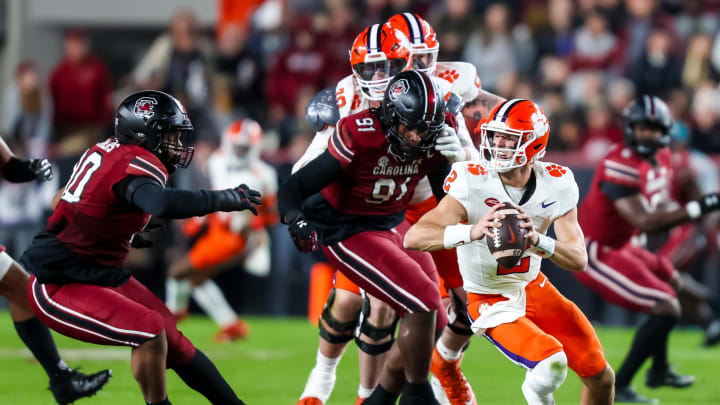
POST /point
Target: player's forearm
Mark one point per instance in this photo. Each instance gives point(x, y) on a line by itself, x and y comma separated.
point(570, 256)
point(425, 237)
point(659, 221)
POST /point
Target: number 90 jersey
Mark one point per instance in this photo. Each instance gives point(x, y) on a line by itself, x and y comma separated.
point(553, 194)
point(89, 218)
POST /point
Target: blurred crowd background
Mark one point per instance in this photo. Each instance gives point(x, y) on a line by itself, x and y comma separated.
point(66, 65)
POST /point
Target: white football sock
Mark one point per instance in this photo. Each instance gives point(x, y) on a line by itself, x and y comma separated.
point(211, 299)
point(447, 353)
point(364, 392)
point(177, 294)
point(544, 379)
point(322, 378)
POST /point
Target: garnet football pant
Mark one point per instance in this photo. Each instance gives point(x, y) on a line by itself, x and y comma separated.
point(377, 262)
point(630, 276)
point(127, 315)
point(445, 260)
point(551, 323)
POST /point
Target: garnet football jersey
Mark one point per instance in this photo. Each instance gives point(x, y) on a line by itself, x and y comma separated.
point(89, 218)
point(375, 181)
point(623, 167)
point(478, 189)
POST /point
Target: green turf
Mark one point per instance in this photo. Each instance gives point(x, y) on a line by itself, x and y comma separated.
point(272, 365)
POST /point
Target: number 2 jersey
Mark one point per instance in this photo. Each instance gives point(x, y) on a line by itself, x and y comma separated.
point(551, 194)
point(376, 185)
point(89, 219)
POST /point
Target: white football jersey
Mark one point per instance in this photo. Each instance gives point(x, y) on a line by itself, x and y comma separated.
point(463, 78)
point(477, 189)
point(226, 172)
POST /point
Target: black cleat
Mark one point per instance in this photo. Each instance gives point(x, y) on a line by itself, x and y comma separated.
point(669, 378)
point(628, 395)
point(70, 385)
point(712, 334)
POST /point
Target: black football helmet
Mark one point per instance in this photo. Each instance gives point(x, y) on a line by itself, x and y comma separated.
point(412, 99)
point(653, 112)
point(144, 117)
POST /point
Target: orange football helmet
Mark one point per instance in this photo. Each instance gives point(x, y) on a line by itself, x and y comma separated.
point(518, 118)
point(241, 139)
point(379, 53)
point(424, 45)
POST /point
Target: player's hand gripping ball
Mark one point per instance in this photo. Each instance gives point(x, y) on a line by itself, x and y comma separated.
point(508, 242)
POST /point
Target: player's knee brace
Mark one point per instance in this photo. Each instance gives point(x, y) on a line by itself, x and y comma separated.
point(344, 329)
point(544, 379)
point(458, 319)
point(374, 333)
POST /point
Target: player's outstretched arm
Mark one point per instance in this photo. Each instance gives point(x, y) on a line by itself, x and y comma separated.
point(568, 250)
point(17, 170)
point(150, 196)
point(440, 228)
point(635, 211)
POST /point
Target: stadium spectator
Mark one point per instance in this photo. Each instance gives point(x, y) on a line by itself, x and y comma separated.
point(556, 37)
point(301, 65)
point(657, 69)
point(594, 44)
point(243, 67)
point(491, 49)
point(80, 88)
point(706, 119)
point(454, 26)
point(180, 62)
point(336, 32)
point(697, 67)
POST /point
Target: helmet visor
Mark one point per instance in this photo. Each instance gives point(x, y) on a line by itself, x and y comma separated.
point(380, 69)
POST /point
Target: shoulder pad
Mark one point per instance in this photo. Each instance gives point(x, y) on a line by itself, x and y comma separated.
point(322, 109)
point(454, 104)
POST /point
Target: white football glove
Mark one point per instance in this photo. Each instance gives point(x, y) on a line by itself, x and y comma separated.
point(448, 144)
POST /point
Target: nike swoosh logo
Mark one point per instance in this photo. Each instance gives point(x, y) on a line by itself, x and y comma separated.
point(542, 284)
point(548, 204)
point(512, 235)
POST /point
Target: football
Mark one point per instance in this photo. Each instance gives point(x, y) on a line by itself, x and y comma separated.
point(508, 244)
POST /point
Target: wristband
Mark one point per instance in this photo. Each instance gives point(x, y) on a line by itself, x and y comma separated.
point(693, 209)
point(546, 245)
point(456, 235)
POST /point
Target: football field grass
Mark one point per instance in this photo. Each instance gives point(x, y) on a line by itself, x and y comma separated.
point(271, 366)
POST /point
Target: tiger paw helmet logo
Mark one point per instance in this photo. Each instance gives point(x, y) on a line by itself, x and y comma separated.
point(145, 107)
point(555, 170)
point(540, 124)
point(399, 88)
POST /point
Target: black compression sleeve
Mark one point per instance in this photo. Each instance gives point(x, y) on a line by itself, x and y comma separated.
point(616, 191)
point(148, 195)
point(312, 178)
point(18, 171)
point(437, 178)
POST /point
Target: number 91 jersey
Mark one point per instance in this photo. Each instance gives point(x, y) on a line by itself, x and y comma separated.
point(89, 218)
point(375, 182)
point(552, 194)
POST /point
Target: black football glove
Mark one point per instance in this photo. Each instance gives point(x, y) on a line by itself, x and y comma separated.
point(239, 198)
point(42, 169)
point(138, 241)
point(303, 233)
point(709, 202)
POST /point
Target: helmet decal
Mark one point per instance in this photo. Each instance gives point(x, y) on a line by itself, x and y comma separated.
point(399, 87)
point(145, 107)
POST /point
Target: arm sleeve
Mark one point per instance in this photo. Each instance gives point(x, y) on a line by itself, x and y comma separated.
point(309, 180)
point(144, 193)
point(616, 191)
point(18, 171)
point(341, 145)
point(437, 178)
point(317, 146)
